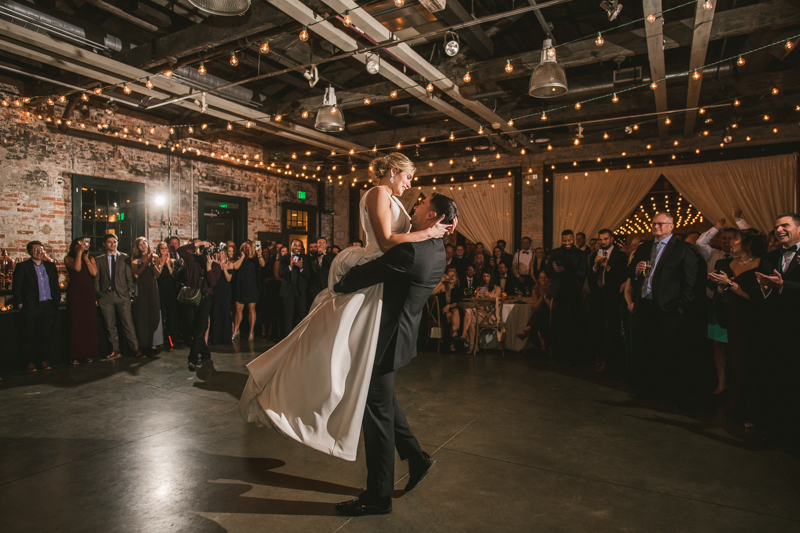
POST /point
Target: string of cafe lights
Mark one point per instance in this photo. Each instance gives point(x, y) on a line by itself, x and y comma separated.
point(685, 216)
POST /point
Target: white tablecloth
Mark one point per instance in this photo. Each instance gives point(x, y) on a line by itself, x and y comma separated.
point(515, 317)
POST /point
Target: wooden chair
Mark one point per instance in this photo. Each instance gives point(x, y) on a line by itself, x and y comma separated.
point(434, 321)
point(492, 319)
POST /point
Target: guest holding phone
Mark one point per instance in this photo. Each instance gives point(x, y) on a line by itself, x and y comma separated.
point(168, 294)
point(221, 317)
point(146, 307)
point(81, 302)
point(249, 267)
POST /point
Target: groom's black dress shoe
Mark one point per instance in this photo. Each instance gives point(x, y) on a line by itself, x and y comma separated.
point(418, 467)
point(365, 505)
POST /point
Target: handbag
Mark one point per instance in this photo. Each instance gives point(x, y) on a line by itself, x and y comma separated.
point(190, 296)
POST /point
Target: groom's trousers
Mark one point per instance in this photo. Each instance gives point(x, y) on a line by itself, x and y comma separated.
point(385, 428)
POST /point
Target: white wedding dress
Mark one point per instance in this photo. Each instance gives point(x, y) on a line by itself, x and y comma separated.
point(312, 386)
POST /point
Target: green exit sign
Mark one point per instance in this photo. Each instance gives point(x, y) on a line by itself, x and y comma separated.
point(301, 195)
point(121, 216)
point(223, 206)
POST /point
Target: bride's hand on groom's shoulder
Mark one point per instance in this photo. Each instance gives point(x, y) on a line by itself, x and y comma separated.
point(440, 229)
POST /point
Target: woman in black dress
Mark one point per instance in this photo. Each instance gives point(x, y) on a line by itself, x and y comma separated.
point(538, 264)
point(738, 286)
point(539, 322)
point(146, 307)
point(221, 320)
point(449, 295)
point(248, 269)
point(81, 302)
point(168, 294)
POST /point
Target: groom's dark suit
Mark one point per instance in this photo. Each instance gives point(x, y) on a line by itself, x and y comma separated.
point(409, 272)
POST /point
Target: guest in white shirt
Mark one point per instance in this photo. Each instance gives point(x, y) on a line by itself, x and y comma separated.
point(521, 265)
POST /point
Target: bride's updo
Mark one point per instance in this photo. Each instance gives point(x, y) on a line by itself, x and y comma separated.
point(395, 160)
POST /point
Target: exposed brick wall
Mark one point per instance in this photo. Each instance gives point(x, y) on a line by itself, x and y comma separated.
point(37, 162)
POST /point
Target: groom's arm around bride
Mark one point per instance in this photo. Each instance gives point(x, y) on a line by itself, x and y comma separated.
point(409, 272)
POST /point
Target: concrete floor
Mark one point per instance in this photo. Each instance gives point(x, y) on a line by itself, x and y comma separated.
point(521, 445)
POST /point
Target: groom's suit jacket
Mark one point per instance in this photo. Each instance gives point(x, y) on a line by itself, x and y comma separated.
point(409, 272)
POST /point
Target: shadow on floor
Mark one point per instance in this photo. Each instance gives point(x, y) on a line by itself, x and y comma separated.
point(232, 383)
point(69, 376)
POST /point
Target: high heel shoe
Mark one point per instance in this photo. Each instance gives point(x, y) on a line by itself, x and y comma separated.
point(251, 338)
point(235, 335)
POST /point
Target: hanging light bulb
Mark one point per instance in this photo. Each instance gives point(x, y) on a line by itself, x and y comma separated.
point(467, 77)
point(393, 94)
point(172, 131)
point(474, 159)
point(451, 162)
point(451, 45)
point(605, 136)
point(85, 97)
point(789, 45)
point(304, 34)
point(480, 130)
point(375, 148)
point(148, 83)
point(278, 118)
point(399, 3)
point(549, 147)
point(651, 18)
point(696, 74)
point(264, 48)
point(497, 156)
point(168, 73)
point(234, 59)
point(398, 146)
point(511, 122)
point(98, 90)
point(576, 142)
point(50, 101)
point(707, 5)
point(736, 103)
point(544, 116)
point(367, 101)
point(429, 87)
point(62, 99)
point(304, 114)
point(615, 98)
point(667, 121)
point(191, 129)
point(654, 86)
point(422, 139)
point(599, 41)
point(202, 68)
point(203, 126)
point(766, 117)
point(248, 124)
point(452, 136)
point(152, 131)
point(230, 126)
point(577, 105)
point(740, 61)
point(126, 89)
point(347, 21)
point(522, 151)
point(509, 66)
point(775, 91)
point(702, 111)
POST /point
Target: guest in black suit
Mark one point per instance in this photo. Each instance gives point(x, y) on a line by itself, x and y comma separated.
point(507, 257)
point(470, 281)
point(538, 263)
point(608, 272)
point(296, 275)
point(567, 272)
point(201, 273)
point(499, 257)
point(663, 276)
point(480, 251)
point(779, 278)
point(460, 261)
point(507, 283)
point(320, 268)
point(409, 272)
point(37, 295)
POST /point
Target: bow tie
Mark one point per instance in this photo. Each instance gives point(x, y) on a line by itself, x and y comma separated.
point(790, 250)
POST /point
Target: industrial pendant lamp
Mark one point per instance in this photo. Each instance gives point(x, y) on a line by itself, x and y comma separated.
point(225, 8)
point(548, 79)
point(330, 118)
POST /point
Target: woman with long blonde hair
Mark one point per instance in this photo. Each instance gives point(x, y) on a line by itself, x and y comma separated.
point(146, 306)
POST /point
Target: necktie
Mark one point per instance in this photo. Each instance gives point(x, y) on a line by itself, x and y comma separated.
point(653, 256)
point(787, 257)
point(113, 272)
point(601, 281)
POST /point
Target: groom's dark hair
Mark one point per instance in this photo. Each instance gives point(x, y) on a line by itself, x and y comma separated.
point(442, 205)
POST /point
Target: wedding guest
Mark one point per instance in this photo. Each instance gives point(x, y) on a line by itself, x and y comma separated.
point(480, 252)
point(566, 269)
point(498, 258)
point(772, 242)
point(201, 273)
point(488, 289)
point(265, 302)
point(296, 276)
point(606, 276)
point(146, 307)
point(507, 257)
point(488, 313)
point(449, 295)
point(81, 301)
point(221, 319)
point(737, 287)
point(168, 294)
point(312, 249)
point(507, 283)
point(37, 295)
point(460, 260)
point(712, 255)
point(248, 268)
point(538, 263)
point(480, 266)
point(470, 281)
point(320, 268)
point(449, 252)
point(115, 285)
point(663, 275)
point(335, 249)
point(521, 264)
point(539, 322)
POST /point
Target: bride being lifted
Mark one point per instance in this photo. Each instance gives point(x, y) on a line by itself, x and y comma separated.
point(312, 386)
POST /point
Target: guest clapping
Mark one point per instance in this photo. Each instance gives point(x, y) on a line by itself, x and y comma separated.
point(168, 293)
point(146, 307)
point(246, 291)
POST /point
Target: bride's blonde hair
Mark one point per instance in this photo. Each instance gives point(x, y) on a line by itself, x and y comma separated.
point(395, 160)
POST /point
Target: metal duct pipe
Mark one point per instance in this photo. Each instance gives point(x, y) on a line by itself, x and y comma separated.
point(204, 82)
point(55, 27)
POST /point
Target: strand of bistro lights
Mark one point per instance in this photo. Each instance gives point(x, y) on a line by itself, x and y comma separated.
point(264, 48)
point(633, 224)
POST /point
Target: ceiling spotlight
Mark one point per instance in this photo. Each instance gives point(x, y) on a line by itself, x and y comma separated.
point(548, 79)
point(393, 94)
point(373, 65)
point(234, 59)
point(740, 61)
point(612, 7)
point(304, 34)
point(509, 67)
point(651, 18)
point(615, 98)
point(707, 5)
point(467, 77)
point(599, 41)
point(451, 45)
point(264, 48)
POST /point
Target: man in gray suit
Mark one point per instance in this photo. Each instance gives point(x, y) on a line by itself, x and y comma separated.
point(114, 285)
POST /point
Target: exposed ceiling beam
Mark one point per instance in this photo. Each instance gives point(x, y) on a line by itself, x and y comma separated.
point(703, 20)
point(261, 17)
point(24, 42)
point(655, 52)
point(453, 13)
point(123, 15)
point(730, 23)
point(543, 23)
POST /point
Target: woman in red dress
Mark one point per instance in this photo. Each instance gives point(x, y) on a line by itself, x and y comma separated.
point(81, 302)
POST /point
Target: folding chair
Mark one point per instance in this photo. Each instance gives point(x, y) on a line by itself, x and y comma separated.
point(434, 322)
point(490, 317)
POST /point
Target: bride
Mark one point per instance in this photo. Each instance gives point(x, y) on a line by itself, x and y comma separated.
point(312, 386)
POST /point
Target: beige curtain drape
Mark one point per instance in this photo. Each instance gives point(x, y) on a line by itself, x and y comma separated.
point(764, 187)
point(599, 200)
point(485, 209)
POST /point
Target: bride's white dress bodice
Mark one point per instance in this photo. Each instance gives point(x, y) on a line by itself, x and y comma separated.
point(400, 219)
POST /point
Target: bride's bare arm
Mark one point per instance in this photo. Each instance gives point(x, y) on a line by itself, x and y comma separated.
point(379, 209)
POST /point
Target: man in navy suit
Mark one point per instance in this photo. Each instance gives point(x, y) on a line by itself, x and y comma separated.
point(37, 295)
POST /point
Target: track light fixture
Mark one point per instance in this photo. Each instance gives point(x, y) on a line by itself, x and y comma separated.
point(373, 64)
point(612, 7)
point(451, 45)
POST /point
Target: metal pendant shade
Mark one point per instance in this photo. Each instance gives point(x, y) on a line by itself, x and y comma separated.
point(548, 79)
point(225, 8)
point(330, 118)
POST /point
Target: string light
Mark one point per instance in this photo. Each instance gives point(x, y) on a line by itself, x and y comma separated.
point(98, 90)
point(304, 114)
point(467, 77)
point(148, 83)
point(429, 87)
point(399, 3)
point(367, 101)
point(651, 18)
point(577, 105)
point(544, 117)
point(599, 41)
point(202, 68)
point(615, 98)
point(393, 94)
point(766, 117)
point(264, 48)
point(347, 21)
point(549, 147)
point(248, 124)
point(304, 34)
point(234, 59)
point(511, 122)
point(775, 91)
point(480, 130)
point(497, 155)
point(509, 66)
point(707, 5)
point(789, 45)
point(696, 74)
point(522, 151)
point(741, 61)
point(168, 73)
point(654, 86)
point(452, 136)
point(605, 135)
point(126, 89)
point(278, 118)
point(576, 142)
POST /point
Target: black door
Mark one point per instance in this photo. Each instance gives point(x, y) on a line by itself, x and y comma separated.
point(221, 218)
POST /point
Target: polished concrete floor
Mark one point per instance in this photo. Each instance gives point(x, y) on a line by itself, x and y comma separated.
point(521, 445)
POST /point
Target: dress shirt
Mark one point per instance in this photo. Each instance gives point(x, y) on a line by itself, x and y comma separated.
point(606, 254)
point(787, 258)
point(43, 281)
point(110, 270)
point(712, 255)
point(299, 256)
point(523, 257)
point(649, 281)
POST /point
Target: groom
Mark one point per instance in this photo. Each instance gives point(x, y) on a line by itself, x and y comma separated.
point(409, 272)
